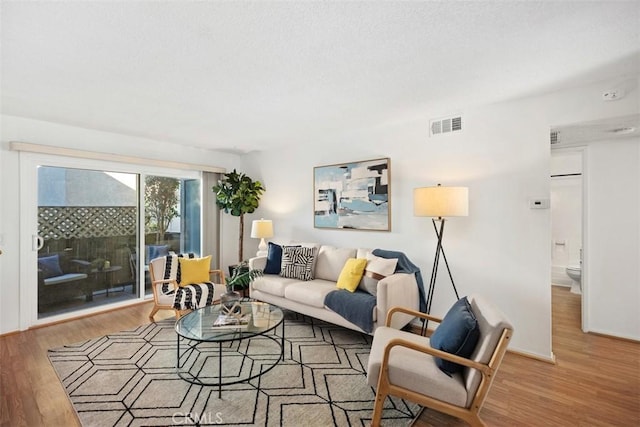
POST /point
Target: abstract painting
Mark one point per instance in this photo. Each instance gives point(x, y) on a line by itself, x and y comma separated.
point(352, 195)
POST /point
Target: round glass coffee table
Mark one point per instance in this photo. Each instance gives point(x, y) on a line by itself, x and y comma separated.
point(205, 343)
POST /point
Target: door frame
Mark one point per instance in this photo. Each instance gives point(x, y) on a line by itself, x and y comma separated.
point(28, 186)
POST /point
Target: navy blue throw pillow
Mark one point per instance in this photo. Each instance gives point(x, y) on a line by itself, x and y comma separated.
point(274, 259)
point(50, 266)
point(458, 333)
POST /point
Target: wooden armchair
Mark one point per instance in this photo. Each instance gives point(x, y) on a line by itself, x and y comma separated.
point(403, 364)
point(169, 294)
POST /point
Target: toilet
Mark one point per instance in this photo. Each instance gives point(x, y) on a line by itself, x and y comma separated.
point(575, 272)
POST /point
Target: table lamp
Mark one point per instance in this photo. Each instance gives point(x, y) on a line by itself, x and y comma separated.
point(261, 229)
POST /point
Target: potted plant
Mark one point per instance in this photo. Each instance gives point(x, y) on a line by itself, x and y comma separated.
point(241, 278)
point(237, 194)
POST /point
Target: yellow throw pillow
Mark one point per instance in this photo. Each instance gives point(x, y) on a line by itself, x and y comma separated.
point(351, 274)
point(194, 270)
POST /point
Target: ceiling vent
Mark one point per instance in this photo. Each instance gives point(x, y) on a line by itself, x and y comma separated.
point(446, 125)
point(554, 137)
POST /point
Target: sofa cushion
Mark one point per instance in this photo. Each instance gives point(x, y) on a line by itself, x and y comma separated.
point(50, 266)
point(272, 284)
point(331, 261)
point(351, 274)
point(377, 268)
point(297, 262)
point(310, 293)
point(458, 334)
point(274, 259)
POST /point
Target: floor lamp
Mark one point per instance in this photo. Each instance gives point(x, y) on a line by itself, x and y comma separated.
point(438, 203)
point(261, 228)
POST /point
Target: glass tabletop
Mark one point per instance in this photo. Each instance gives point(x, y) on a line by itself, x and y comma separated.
point(259, 317)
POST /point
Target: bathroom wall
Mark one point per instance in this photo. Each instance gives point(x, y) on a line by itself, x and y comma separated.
point(566, 213)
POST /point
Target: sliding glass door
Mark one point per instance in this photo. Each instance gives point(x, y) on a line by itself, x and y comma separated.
point(172, 218)
point(87, 232)
point(98, 227)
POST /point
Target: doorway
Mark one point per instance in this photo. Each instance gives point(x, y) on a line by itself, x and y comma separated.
point(567, 207)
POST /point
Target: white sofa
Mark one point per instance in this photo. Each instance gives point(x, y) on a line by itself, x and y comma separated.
point(307, 297)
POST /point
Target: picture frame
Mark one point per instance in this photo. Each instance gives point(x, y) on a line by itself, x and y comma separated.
point(353, 196)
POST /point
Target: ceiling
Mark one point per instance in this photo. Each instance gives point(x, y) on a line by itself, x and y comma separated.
point(244, 76)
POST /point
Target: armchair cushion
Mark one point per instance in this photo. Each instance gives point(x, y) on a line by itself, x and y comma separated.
point(194, 270)
point(458, 334)
point(50, 266)
point(403, 362)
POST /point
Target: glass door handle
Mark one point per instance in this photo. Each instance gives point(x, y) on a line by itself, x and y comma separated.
point(37, 243)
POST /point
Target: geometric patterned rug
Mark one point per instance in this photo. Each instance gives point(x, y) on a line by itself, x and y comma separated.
point(129, 379)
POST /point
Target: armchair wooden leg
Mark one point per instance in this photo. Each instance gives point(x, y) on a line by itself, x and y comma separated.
point(475, 421)
point(153, 313)
point(377, 409)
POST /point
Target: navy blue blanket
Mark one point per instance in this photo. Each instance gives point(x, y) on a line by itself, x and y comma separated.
point(406, 266)
point(357, 307)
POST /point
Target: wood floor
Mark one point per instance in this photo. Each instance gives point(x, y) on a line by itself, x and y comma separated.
point(596, 381)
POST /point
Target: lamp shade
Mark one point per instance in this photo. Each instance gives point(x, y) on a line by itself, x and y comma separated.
point(441, 201)
point(261, 228)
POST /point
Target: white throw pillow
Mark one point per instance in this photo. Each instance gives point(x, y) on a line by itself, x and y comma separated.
point(377, 269)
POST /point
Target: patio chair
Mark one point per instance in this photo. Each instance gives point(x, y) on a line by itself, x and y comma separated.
point(170, 294)
point(405, 365)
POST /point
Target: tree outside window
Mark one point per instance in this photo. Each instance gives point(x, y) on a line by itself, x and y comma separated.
point(161, 201)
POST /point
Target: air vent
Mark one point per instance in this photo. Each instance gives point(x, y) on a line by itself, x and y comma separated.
point(554, 137)
point(447, 125)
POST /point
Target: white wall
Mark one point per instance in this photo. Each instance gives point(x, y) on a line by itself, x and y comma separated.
point(502, 250)
point(45, 133)
point(613, 232)
point(566, 213)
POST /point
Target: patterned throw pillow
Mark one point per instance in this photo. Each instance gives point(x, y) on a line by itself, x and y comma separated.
point(297, 262)
point(377, 269)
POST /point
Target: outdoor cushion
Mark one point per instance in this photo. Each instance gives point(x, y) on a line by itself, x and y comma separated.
point(50, 266)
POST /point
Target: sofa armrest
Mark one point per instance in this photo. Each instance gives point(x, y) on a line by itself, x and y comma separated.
point(400, 289)
point(257, 263)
